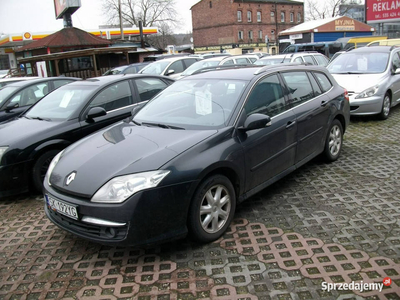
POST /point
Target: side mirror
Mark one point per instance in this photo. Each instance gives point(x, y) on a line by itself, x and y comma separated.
point(397, 71)
point(169, 72)
point(256, 121)
point(96, 112)
point(11, 106)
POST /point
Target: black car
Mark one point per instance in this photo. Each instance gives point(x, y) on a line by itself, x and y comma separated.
point(191, 154)
point(29, 143)
point(128, 69)
point(16, 97)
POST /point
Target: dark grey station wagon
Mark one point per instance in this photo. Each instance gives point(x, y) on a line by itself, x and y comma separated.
point(204, 144)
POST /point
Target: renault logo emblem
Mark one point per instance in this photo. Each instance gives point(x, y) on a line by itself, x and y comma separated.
point(70, 178)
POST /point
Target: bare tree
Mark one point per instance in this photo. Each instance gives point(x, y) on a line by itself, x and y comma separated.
point(315, 10)
point(163, 38)
point(150, 12)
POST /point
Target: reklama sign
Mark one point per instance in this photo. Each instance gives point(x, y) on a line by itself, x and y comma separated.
point(380, 11)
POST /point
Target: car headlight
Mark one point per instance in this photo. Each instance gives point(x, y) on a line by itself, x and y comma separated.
point(2, 150)
point(118, 189)
point(368, 92)
point(52, 166)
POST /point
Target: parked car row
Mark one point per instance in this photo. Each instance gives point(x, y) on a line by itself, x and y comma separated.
point(137, 159)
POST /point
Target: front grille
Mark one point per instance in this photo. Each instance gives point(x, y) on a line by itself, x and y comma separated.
point(90, 230)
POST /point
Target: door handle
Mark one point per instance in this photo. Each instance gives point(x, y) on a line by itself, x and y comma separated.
point(324, 103)
point(290, 124)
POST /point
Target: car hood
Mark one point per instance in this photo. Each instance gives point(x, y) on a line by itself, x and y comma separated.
point(356, 83)
point(120, 150)
point(14, 131)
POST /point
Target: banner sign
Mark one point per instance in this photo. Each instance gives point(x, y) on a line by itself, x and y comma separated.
point(381, 11)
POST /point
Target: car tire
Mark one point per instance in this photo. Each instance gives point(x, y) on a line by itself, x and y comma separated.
point(209, 218)
point(40, 168)
point(334, 141)
point(384, 114)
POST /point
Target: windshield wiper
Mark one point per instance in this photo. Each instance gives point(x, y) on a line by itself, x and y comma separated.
point(40, 119)
point(162, 125)
point(136, 123)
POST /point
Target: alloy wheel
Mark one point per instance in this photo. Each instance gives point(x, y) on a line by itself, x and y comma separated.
point(335, 140)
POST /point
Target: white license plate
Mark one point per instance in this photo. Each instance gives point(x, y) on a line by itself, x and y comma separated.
point(62, 207)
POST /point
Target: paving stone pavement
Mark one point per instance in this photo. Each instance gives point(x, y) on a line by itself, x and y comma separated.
point(333, 223)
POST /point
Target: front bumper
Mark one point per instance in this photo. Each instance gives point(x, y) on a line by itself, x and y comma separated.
point(147, 217)
point(366, 106)
point(14, 179)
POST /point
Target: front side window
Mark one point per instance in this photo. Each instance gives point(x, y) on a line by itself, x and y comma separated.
point(113, 97)
point(149, 87)
point(229, 62)
point(31, 94)
point(259, 16)
point(239, 16)
point(176, 66)
point(249, 16)
point(282, 17)
point(5, 92)
point(156, 67)
point(299, 87)
point(322, 61)
point(266, 98)
point(395, 61)
point(194, 104)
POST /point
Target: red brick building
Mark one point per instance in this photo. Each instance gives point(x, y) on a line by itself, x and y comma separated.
point(228, 24)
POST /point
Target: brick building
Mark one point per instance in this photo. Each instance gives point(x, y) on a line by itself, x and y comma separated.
point(241, 25)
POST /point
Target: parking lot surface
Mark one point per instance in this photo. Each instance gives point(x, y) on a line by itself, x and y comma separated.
point(332, 223)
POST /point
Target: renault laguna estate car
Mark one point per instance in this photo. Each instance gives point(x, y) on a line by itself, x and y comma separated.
point(29, 143)
point(372, 77)
point(204, 144)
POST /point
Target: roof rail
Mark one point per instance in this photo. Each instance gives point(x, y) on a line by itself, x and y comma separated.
point(222, 67)
point(266, 68)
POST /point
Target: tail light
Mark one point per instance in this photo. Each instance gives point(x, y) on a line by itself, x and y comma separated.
point(346, 95)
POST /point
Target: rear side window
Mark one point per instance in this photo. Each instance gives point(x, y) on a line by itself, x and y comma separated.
point(315, 86)
point(322, 61)
point(323, 81)
point(309, 59)
point(299, 87)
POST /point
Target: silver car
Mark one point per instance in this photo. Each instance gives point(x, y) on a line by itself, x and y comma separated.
point(371, 76)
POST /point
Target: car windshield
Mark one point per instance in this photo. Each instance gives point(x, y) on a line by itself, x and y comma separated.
point(359, 63)
point(199, 65)
point(5, 92)
point(155, 68)
point(193, 104)
point(61, 103)
point(271, 61)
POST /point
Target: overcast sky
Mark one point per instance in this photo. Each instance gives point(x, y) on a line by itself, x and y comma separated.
point(19, 16)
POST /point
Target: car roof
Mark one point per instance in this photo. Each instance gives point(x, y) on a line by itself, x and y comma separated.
point(101, 80)
point(39, 80)
point(17, 79)
point(249, 72)
point(373, 49)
